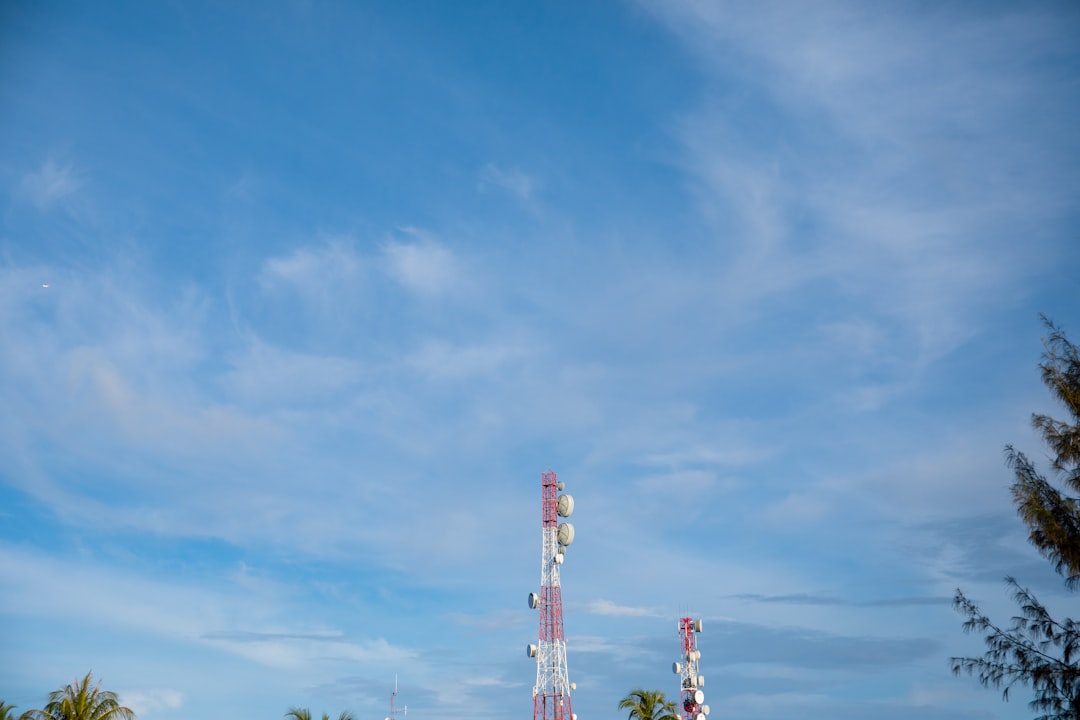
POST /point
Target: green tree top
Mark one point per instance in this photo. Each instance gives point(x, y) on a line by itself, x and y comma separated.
point(1052, 517)
point(81, 700)
point(1035, 649)
point(648, 705)
point(299, 713)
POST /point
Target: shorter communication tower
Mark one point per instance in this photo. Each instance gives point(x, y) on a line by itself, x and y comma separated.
point(692, 699)
point(394, 712)
point(551, 693)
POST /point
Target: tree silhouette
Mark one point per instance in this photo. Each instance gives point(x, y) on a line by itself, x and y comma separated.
point(1035, 649)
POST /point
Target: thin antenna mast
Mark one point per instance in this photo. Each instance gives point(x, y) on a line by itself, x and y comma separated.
point(393, 710)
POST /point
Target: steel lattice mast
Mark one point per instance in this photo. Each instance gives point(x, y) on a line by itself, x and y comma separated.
point(551, 694)
point(691, 697)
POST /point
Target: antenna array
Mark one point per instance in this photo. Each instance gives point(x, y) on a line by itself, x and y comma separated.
point(692, 698)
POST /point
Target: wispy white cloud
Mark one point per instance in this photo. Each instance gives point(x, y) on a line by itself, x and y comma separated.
point(491, 622)
point(147, 703)
point(50, 184)
point(809, 599)
point(159, 609)
point(797, 507)
point(155, 422)
point(740, 450)
point(93, 354)
point(596, 644)
point(692, 483)
point(441, 360)
point(513, 181)
point(934, 481)
point(936, 694)
point(424, 266)
point(903, 176)
point(265, 374)
point(322, 274)
point(302, 650)
point(716, 393)
point(607, 607)
point(675, 435)
point(189, 613)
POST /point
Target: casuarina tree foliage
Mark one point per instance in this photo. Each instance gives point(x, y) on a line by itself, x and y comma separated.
point(1035, 649)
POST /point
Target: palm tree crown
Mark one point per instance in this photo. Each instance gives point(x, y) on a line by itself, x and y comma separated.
point(648, 705)
point(299, 713)
point(82, 701)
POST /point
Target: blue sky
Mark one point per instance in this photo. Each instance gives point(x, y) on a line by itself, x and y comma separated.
point(298, 300)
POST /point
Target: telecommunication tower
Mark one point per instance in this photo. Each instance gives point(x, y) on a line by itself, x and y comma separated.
point(551, 693)
point(394, 712)
point(692, 699)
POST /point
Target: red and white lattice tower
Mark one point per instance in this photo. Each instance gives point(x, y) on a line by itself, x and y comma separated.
point(691, 697)
point(551, 693)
